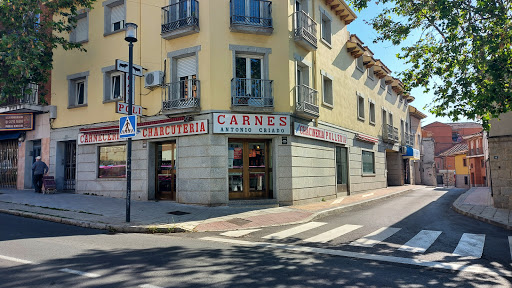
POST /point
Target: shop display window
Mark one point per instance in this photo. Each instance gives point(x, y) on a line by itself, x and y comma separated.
point(112, 162)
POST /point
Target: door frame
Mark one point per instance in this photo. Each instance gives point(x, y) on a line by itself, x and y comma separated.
point(173, 172)
point(347, 188)
point(246, 170)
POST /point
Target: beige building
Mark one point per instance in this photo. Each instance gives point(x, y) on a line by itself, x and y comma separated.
point(500, 160)
point(240, 99)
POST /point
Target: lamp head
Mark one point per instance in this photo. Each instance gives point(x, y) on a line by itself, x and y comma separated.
point(130, 32)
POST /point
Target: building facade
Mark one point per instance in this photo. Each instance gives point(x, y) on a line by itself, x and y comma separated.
point(238, 101)
point(500, 160)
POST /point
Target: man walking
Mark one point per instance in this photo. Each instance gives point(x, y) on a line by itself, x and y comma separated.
point(39, 168)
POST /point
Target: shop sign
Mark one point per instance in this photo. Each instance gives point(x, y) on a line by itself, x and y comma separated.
point(22, 121)
point(319, 134)
point(122, 108)
point(411, 153)
point(251, 124)
point(170, 130)
point(182, 129)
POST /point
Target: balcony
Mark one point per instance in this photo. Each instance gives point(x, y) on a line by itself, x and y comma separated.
point(252, 95)
point(407, 139)
point(307, 102)
point(251, 16)
point(181, 97)
point(29, 103)
point(305, 31)
point(475, 152)
point(389, 134)
point(180, 19)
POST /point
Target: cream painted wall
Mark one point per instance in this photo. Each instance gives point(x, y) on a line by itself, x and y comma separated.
point(215, 65)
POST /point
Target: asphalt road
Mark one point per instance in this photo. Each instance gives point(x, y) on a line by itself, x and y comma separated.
point(35, 253)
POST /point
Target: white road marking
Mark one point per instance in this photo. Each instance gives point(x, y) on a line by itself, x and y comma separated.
point(239, 233)
point(333, 233)
point(367, 195)
point(510, 245)
point(337, 201)
point(471, 245)
point(16, 259)
point(294, 230)
point(421, 242)
point(76, 272)
point(149, 286)
point(376, 237)
point(454, 266)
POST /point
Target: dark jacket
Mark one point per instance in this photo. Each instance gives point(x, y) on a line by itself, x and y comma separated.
point(39, 168)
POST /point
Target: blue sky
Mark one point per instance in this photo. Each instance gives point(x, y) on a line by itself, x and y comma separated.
point(387, 53)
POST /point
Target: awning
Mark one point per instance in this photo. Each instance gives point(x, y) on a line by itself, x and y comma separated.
point(9, 135)
point(413, 154)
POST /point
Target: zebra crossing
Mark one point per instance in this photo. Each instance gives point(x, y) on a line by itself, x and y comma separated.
point(469, 245)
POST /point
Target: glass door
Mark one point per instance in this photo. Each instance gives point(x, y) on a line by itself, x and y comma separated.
point(341, 170)
point(249, 169)
point(166, 171)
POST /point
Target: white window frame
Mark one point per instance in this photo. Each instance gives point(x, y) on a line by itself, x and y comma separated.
point(360, 101)
point(371, 112)
point(121, 86)
point(73, 81)
point(82, 16)
point(327, 77)
point(108, 25)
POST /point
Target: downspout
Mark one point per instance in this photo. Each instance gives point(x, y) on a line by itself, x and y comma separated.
point(314, 78)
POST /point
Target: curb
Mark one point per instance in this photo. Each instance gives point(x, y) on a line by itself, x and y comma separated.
point(151, 230)
point(483, 219)
point(94, 225)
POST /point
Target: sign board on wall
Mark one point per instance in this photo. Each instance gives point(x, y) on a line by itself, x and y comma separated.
point(251, 124)
point(150, 132)
point(122, 108)
point(12, 122)
point(319, 134)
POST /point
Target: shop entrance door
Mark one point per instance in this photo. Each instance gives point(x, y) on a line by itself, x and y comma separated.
point(166, 171)
point(341, 170)
point(250, 169)
point(70, 166)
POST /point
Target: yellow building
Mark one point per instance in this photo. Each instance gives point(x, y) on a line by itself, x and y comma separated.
point(240, 99)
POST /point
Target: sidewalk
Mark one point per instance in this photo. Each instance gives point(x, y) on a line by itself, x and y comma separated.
point(166, 217)
point(477, 203)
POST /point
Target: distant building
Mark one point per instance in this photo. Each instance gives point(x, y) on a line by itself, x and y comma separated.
point(427, 164)
point(476, 157)
point(455, 158)
point(500, 160)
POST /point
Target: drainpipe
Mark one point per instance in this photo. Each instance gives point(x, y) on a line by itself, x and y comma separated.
point(314, 78)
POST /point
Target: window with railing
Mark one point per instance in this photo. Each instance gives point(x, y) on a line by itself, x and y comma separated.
point(182, 94)
point(251, 12)
point(180, 14)
point(305, 27)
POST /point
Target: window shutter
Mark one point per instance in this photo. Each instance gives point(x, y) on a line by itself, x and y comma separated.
point(81, 29)
point(117, 14)
point(187, 66)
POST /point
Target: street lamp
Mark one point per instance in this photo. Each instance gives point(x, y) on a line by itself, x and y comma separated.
point(130, 37)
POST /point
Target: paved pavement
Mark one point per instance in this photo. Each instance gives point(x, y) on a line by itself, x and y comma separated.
point(477, 203)
point(166, 217)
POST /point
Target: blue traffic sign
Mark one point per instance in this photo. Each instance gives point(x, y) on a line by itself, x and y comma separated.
point(128, 126)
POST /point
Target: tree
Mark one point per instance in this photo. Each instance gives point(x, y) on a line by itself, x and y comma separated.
point(29, 31)
point(462, 52)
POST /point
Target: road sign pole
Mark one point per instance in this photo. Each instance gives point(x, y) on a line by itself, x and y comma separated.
point(129, 154)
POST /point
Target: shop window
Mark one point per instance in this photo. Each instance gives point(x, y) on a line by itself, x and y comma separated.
point(368, 159)
point(112, 161)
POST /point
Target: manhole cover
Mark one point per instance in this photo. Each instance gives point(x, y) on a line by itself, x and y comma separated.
point(239, 221)
point(178, 213)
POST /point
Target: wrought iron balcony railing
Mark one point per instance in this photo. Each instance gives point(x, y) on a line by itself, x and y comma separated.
point(307, 101)
point(180, 19)
point(389, 133)
point(305, 30)
point(251, 13)
point(31, 96)
point(252, 92)
point(182, 94)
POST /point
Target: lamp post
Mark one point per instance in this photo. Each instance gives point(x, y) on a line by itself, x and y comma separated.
point(130, 37)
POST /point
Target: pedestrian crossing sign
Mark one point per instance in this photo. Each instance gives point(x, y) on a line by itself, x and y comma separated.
point(128, 126)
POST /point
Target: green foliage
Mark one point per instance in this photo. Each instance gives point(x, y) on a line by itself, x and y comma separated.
point(462, 52)
point(29, 31)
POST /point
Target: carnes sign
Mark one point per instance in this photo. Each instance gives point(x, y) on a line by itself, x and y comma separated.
point(251, 124)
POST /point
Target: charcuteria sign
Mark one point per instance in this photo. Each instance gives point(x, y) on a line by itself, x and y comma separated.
point(319, 134)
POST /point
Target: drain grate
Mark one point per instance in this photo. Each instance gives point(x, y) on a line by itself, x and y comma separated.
point(179, 213)
point(238, 221)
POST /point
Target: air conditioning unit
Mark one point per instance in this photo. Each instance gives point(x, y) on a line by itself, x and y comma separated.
point(153, 79)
